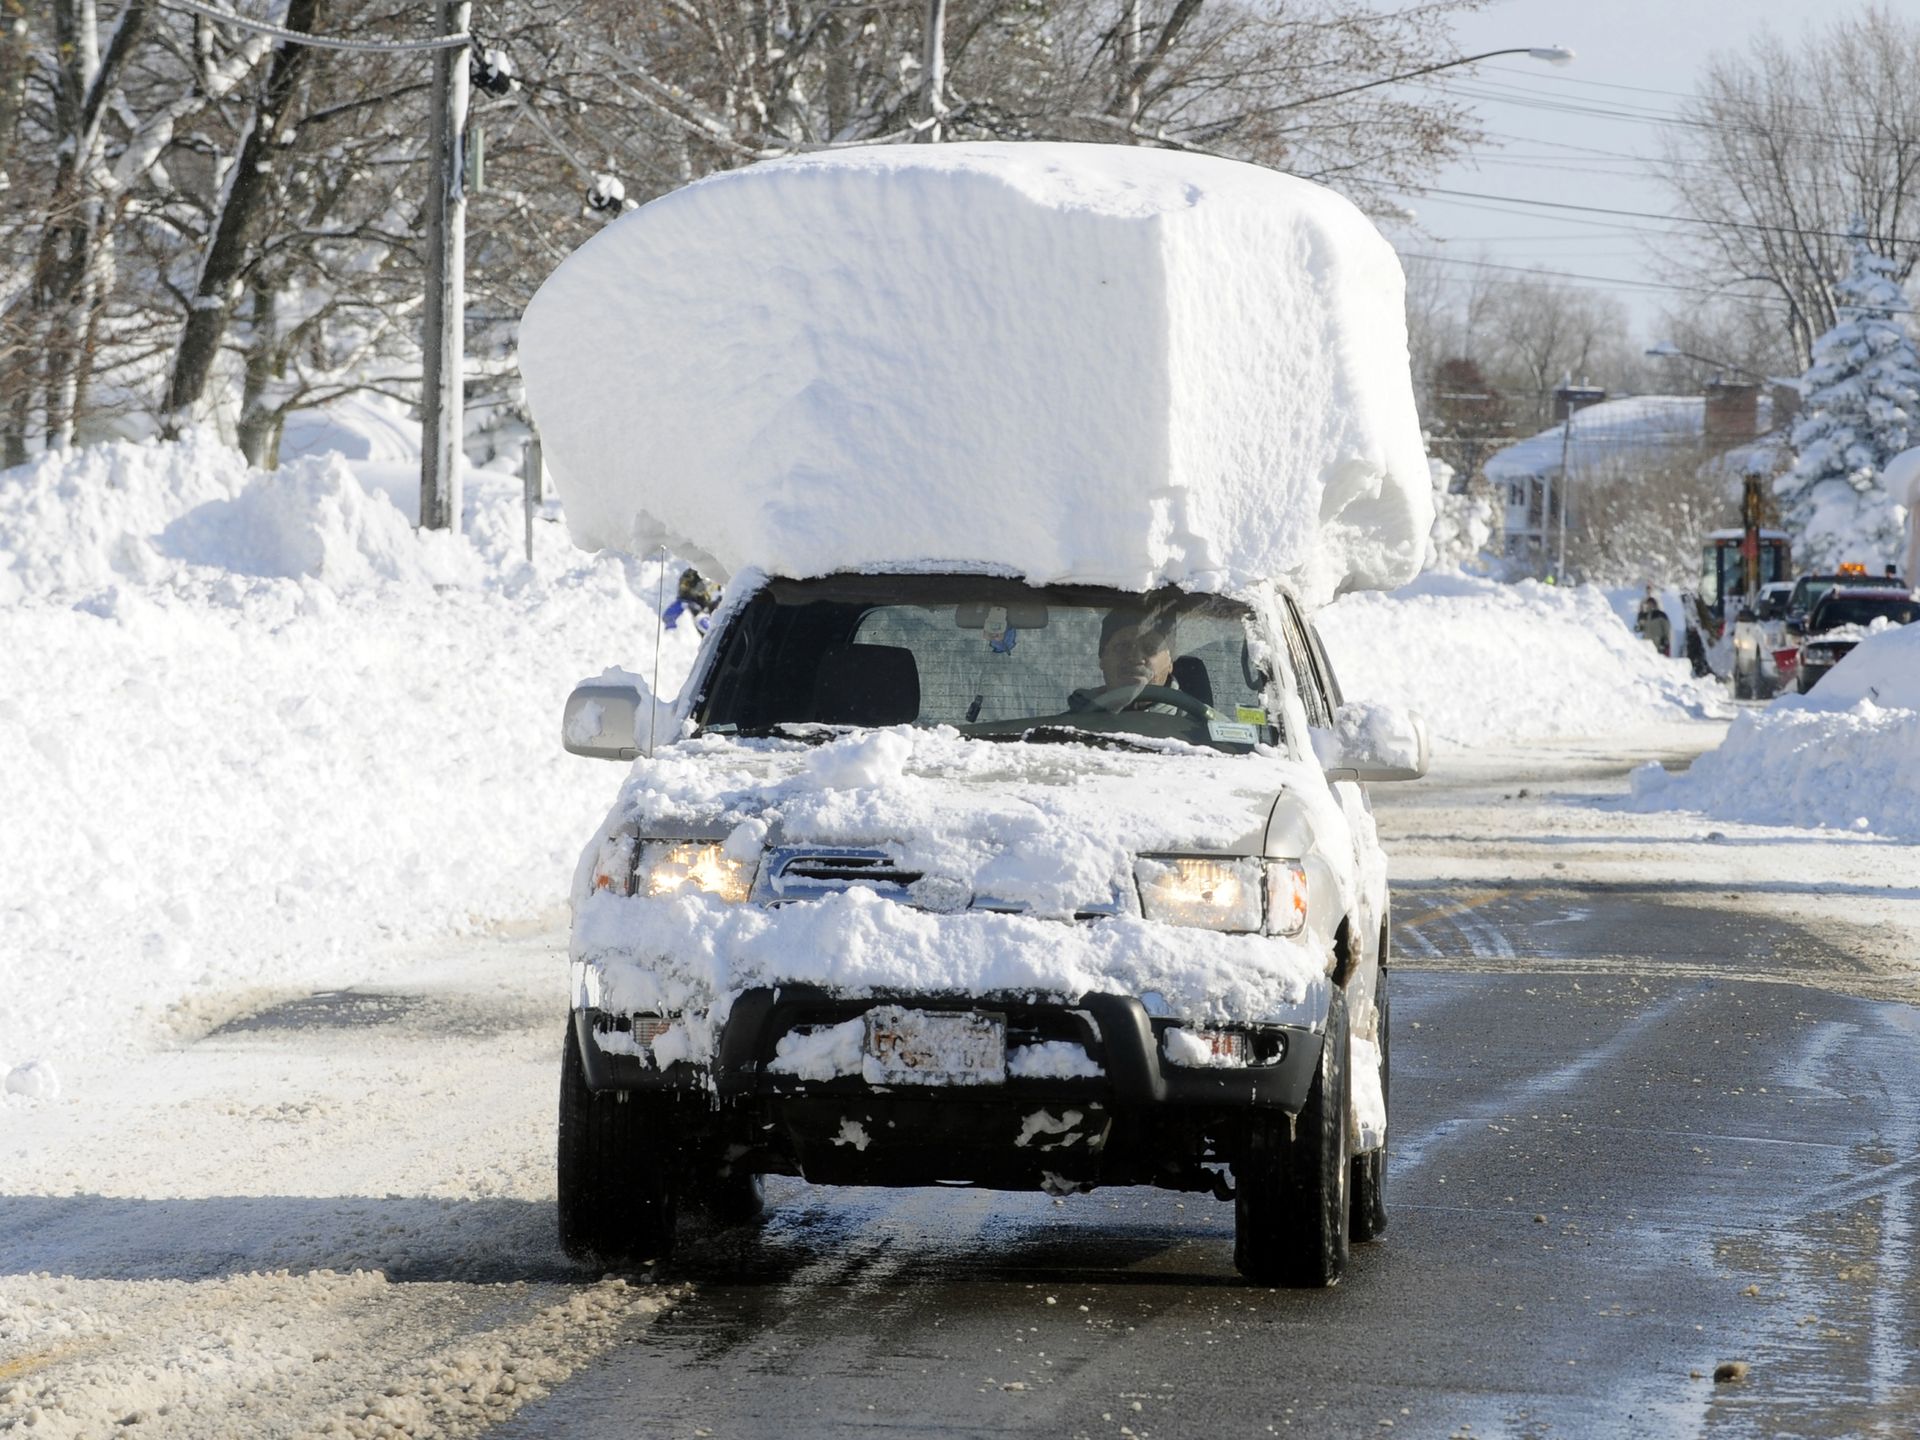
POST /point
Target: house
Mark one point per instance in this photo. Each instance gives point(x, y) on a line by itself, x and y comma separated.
point(1540, 479)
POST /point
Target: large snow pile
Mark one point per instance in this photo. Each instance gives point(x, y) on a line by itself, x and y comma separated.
point(254, 725)
point(1845, 756)
point(1099, 363)
point(1483, 661)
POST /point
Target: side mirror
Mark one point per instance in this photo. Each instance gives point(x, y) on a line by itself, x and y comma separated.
point(611, 718)
point(1371, 742)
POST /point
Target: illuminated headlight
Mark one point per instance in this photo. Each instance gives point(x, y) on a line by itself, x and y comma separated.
point(1242, 895)
point(668, 867)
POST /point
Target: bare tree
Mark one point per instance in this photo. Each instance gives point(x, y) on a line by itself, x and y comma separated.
point(1642, 520)
point(1784, 145)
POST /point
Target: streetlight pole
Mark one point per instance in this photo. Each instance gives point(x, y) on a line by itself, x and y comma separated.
point(443, 338)
point(1552, 54)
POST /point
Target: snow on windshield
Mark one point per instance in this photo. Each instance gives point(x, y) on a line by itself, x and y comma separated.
point(1107, 364)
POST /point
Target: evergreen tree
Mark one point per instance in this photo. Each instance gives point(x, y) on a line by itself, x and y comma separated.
point(1862, 407)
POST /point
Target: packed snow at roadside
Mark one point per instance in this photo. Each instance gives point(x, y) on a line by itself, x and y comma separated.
point(257, 727)
point(1483, 661)
point(1845, 756)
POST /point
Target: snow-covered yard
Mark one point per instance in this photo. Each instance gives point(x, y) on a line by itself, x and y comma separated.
point(257, 729)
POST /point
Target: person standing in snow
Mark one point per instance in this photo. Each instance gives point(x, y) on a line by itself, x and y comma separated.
point(1652, 624)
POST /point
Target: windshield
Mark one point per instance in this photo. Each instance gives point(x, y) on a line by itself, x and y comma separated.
point(1837, 610)
point(993, 658)
point(1808, 589)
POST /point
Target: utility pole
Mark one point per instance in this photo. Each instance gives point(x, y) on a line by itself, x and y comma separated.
point(933, 71)
point(443, 338)
point(1566, 452)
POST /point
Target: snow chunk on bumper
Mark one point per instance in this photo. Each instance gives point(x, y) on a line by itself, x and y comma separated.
point(1100, 363)
point(693, 955)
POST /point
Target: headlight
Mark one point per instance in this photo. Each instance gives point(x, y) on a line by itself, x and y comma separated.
point(669, 866)
point(1242, 894)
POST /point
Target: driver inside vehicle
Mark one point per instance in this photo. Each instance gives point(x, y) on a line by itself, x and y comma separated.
point(1136, 651)
point(1136, 648)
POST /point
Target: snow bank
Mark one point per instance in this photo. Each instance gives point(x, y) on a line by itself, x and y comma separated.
point(1846, 756)
point(1098, 363)
point(254, 725)
point(1483, 661)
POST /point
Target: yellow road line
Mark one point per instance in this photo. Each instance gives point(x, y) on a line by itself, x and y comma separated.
point(1473, 901)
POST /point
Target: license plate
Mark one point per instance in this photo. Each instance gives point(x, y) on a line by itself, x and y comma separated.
point(931, 1047)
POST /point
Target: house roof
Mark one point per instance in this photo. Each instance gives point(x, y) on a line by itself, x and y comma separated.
point(1635, 427)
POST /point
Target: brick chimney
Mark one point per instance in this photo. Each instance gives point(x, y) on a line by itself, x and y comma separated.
point(1733, 412)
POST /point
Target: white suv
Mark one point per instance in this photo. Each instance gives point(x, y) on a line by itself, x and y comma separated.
point(944, 878)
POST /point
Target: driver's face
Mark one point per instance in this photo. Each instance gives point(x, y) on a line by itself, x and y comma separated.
point(1133, 656)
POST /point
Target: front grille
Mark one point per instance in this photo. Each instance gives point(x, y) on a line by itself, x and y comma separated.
point(801, 874)
point(806, 872)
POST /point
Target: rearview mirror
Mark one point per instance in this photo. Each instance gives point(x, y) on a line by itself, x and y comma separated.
point(1019, 614)
point(611, 718)
point(1371, 742)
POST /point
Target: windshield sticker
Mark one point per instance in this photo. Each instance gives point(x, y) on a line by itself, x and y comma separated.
point(1250, 714)
point(1232, 732)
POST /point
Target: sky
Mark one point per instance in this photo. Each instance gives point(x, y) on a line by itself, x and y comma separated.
point(1579, 134)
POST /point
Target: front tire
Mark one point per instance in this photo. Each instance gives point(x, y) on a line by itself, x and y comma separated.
point(616, 1196)
point(1367, 1219)
point(1291, 1203)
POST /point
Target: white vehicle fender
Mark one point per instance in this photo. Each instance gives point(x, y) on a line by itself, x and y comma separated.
point(1293, 835)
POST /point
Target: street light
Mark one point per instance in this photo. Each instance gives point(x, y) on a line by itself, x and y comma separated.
point(1667, 350)
point(1552, 54)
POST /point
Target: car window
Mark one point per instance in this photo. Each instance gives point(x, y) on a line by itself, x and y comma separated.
point(1306, 672)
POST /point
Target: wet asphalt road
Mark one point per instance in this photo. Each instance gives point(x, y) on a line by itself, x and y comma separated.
point(1628, 1147)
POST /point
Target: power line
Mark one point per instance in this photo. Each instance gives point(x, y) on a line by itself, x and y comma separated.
point(1602, 280)
point(1639, 115)
point(1670, 219)
point(1806, 105)
point(320, 42)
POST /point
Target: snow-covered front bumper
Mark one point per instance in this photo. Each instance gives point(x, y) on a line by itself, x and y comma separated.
point(1100, 1049)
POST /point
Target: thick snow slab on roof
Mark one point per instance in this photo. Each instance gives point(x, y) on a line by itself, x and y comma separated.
point(1086, 362)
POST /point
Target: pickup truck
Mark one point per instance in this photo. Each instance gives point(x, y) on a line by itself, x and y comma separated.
point(943, 878)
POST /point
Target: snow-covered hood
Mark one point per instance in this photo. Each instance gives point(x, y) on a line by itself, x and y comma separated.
point(1049, 828)
point(1043, 832)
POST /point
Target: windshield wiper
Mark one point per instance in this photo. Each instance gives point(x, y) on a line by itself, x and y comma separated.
point(1074, 735)
point(807, 732)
